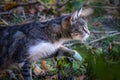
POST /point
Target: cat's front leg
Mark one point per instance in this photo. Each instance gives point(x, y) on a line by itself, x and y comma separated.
point(26, 71)
point(64, 51)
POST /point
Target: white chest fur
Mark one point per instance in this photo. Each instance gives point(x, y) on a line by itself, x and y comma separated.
point(43, 49)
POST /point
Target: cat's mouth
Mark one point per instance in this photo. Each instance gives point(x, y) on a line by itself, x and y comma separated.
point(86, 30)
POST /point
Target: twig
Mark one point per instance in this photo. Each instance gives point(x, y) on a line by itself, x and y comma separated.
point(24, 4)
point(118, 33)
point(24, 16)
point(5, 13)
point(99, 32)
point(43, 4)
point(4, 21)
point(116, 43)
point(107, 7)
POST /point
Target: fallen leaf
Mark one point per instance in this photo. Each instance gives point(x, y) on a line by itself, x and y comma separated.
point(37, 71)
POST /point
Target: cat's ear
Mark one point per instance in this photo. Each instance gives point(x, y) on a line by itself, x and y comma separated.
point(76, 15)
point(68, 21)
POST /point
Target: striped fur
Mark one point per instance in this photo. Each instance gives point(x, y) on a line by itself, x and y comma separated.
point(24, 44)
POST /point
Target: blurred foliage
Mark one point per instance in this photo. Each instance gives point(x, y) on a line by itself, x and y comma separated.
point(100, 65)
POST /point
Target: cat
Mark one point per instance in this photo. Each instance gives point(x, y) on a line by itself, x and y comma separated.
point(22, 45)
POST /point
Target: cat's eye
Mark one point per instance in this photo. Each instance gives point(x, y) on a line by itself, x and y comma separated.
point(81, 23)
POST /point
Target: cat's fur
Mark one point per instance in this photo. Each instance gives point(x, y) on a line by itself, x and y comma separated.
point(24, 44)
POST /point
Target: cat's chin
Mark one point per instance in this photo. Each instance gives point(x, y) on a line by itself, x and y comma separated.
point(77, 37)
point(85, 37)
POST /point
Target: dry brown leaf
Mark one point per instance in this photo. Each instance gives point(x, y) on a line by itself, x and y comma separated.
point(19, 10)
point(37, 71)
point(10, 5)
point(45, 66)
point(3, 74)
point(86, 12)
point(81, 77)
point(39, 8)
point(32, 10)
point(55, 77)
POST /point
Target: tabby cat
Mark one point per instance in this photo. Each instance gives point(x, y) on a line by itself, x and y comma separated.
point(22, 45)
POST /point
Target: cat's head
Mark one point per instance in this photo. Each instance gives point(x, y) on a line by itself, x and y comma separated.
point(77, 25)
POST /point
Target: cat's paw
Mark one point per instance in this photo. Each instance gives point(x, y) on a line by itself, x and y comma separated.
point(77, 56)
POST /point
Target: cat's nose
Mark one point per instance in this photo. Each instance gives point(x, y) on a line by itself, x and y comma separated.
point(86, 30)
